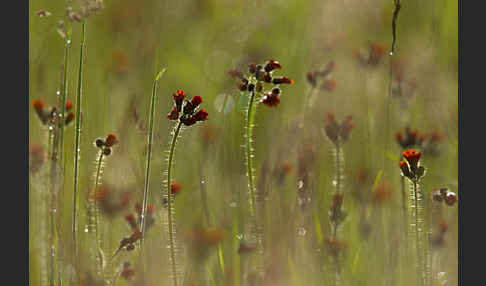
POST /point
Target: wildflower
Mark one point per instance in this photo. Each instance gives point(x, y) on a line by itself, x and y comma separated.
point(201, 115)
point(175, 188)
point(189, 116)
point(69, 118)
point(99, 142)
point(313, 76)
point(375, 53)
point(43, 13)
point(178, 99)
point(130, 218)
point(412, 158)
point(271, 65)
point(411, 167)
point(336, 131)
point(39, 105)
point(111, 140)
point(450, 198)
point(270, 99)
point(410, 138)
point(329, 84)
point(437, 196)
point(69, 105)
point(283, 79)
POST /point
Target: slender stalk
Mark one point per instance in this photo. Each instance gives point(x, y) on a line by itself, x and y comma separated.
point(62, 119)
point(338, 168)
point(96, 209)
point(169, 203)
point(78, 141)
point(150, 135)
point(417, 236)
point(249, 154)
point(52, 192)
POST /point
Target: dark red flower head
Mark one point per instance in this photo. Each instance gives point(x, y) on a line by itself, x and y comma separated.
point(283, 79)
point(196, 100)
point(175, 188)
point(412, 158)
point(201, 115)
point(450, 198)
point(179, 98)
point(39, 105)
point(69, 105)
point(270, 99)
point(111, 140)
point(272, 65)
point(69, 118)
point(332, 127)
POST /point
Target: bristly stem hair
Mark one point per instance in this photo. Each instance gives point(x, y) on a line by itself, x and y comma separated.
point(249, 154)
point(78, 141)
point(149, 153)
point(170, 197)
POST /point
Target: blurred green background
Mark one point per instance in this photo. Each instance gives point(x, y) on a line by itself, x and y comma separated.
point(199, 42)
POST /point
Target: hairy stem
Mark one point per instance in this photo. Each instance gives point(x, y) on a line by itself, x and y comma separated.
point(249, 154)
point(150, 135)
point(78, 141)
point(169, 203)
point(97, 212)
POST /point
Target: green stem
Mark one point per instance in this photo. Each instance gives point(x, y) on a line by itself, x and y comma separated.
point(417, 235)
point(96, 208)
point(62, 119)
point(249, 154)
point(169, 203)
point(338, 168)
point(149, 154)
point(53, 189)
point(77, 140)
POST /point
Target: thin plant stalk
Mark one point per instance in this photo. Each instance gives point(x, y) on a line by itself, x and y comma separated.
point(99, 169)
point(77, 142)
point(150, 135)
point(62, 121)
point(169, 203)
point(256, 233)
point(249, 154)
